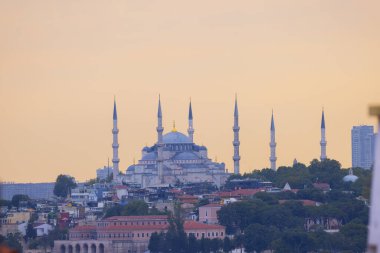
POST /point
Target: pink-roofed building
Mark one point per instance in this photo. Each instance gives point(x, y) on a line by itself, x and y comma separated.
point(208, 213)
point(128, 234)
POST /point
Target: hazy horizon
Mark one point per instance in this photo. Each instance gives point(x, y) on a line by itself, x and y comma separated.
point(61, 63)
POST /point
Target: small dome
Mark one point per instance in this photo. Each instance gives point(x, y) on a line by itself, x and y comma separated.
point(186, 156)
point(175, 137)
point(131, 168)
point(150, 156)
point(350, 177)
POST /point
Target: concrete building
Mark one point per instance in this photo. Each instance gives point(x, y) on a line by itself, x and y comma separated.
point(374, 211)
point(33, 190)
point(208, 213)
point(104, 173)
point(363, 146)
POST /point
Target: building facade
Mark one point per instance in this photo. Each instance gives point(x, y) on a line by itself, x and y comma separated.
point(33, 190)
point(127, 234)
point(363, 146)
point(175, 157)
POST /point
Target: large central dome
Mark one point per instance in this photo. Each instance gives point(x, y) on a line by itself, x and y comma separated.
point(176, 137)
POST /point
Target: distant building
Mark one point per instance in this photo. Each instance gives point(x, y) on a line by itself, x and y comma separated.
point(33, 190)
point(208, 213)
point(363, 146)
point(103, 173)
point(176, 158)
point(128, 234)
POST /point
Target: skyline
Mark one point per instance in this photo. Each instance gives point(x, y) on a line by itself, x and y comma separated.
point(61, 65)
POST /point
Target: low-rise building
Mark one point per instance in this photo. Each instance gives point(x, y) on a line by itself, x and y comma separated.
point(208, 213)
point(128, 234)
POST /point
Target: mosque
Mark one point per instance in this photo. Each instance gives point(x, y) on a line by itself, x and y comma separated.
point(174, 157)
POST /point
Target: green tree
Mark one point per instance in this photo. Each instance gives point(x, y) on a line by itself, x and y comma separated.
point(227, 245)
point(30, 232)
point(258, 237)
point(18, 198)
point(136, 207)
point(13, 241)
point(63, 186)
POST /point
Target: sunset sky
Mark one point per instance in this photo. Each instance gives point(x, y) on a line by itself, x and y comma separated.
point(62, 62)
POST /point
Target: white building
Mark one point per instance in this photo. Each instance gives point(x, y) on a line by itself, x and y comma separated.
point(363, 146)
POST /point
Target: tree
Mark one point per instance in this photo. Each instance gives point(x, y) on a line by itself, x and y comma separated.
point(355, 236)
point(18, 198)
point(13, 241)
point(258, 237)
point(136, 207)
point(154, 242)
point(30, 231)
point(63, 186)
point(227, 245)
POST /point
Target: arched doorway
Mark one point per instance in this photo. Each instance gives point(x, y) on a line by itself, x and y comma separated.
point(85, 248)
point(101, 248)
point(93, 248)
point(71, 250)
point(63, 249)
point(77, 248)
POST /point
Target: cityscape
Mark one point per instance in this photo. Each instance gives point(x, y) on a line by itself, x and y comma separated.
point(169, 127)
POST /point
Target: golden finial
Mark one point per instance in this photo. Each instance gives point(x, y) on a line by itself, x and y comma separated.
point(174, 129)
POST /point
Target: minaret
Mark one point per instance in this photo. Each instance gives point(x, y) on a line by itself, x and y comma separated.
point(272, 145)
point(236, 142)
point(190, 130)
point(374, 210)
point(160, 143)
point(115, 143)
point(323, 138)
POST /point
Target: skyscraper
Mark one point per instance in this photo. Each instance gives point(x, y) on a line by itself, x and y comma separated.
point(363, 146)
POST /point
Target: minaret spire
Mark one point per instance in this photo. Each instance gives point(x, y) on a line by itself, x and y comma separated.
point(115, 143)
point(272, 145)
point(190, 130)
point(160, 143)
point(323, 137)
point(236, 142)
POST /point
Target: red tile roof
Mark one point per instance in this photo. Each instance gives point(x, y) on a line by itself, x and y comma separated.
point(84, 228)
point(190, 225)
point(134, 227)
point(140, 217)
point(212, 205)
point(240, 193)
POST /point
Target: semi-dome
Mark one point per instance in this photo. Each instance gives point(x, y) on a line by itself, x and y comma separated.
point(175, 137)
point(150, 156)
point(186, 156)
point(350, 177)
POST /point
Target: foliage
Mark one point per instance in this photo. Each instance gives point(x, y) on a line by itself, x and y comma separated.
point(135, 207)
point(18, 198)
point(63, 186)
point(13, 241)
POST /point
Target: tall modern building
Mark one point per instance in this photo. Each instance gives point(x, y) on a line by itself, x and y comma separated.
point(363, 146)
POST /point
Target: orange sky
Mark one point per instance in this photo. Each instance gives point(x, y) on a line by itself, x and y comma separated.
point(61, 62)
